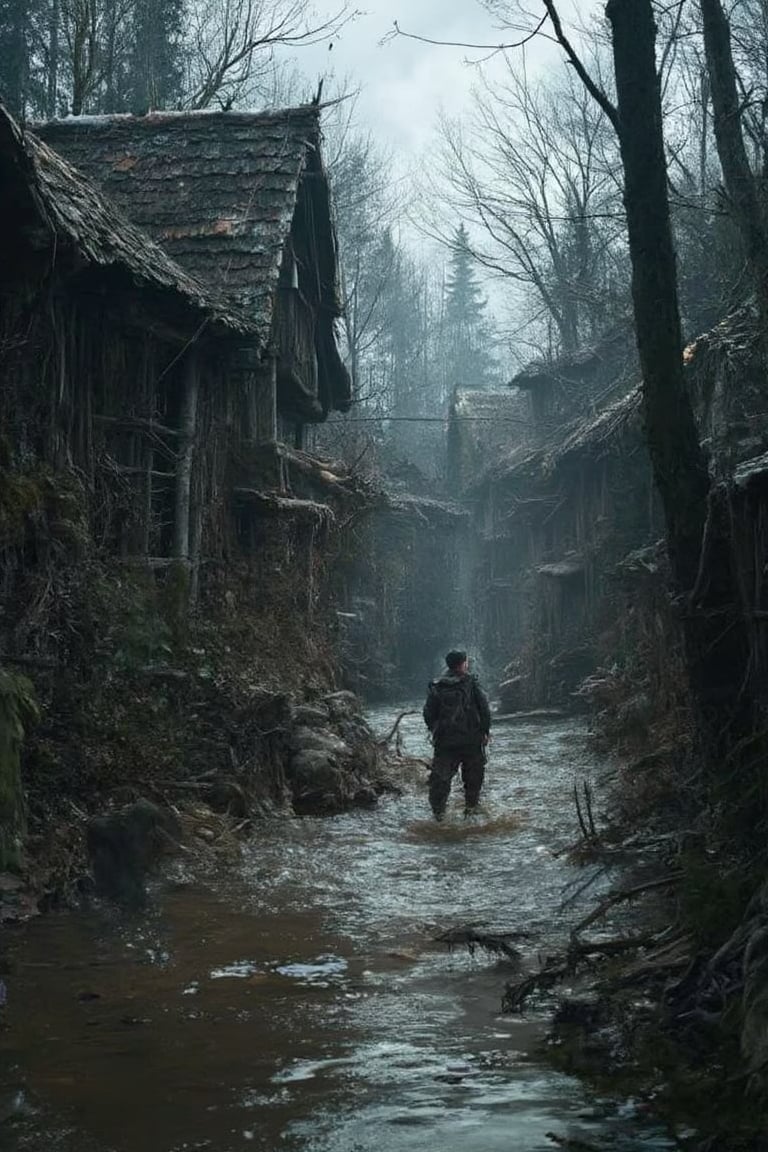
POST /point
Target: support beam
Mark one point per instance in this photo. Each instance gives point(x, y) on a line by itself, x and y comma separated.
point(186, 458)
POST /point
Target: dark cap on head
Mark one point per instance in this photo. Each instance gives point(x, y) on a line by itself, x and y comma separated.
point(455, 658)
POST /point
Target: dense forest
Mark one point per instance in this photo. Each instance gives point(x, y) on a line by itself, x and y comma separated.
point(284, 419)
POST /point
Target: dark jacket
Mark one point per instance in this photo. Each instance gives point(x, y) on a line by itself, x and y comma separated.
point(480, 712)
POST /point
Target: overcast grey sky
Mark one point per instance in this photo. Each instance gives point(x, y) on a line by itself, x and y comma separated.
point(404, 83)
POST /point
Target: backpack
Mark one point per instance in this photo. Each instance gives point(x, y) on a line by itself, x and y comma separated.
point(458, 720)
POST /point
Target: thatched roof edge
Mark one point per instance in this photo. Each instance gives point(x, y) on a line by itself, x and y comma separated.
point(77, 213)
point(592, 437)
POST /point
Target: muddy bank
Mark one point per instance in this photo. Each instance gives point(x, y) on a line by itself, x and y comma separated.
point(323, 758)
point(299, 997)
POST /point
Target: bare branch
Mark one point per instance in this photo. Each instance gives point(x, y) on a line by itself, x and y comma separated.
point(492, 48)
point(594, 89)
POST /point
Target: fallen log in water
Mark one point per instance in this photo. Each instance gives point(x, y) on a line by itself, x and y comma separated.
point(565, 965)
point(473, 936)
point(619, 897)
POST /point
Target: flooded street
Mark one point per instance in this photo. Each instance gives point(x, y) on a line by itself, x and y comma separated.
point(300, 1001)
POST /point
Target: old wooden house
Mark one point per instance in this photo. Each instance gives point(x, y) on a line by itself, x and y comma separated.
point(569, 529)
point(241, 201)
point(105, 341)
point(543, 466)
point(554, 521)
point(574, 386)
point(154, 362)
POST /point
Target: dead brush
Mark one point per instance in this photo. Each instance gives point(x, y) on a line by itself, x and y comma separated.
point(590, 845)
point(208, 835)
point(474, 936)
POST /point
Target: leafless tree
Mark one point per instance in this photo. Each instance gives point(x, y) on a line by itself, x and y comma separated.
point(534, 171)
point(369, 205)
point(82, 26)
point(231, 45)
point(740, 181)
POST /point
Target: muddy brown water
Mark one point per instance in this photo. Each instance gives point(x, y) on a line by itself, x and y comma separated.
point(300, 1002)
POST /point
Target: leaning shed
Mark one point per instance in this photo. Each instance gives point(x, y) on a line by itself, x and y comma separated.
point(240, 200)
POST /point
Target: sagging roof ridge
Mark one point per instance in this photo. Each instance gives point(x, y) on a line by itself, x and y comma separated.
point(173, 115)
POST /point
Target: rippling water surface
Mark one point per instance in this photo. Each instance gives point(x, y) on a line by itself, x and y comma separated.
point(300, 1001)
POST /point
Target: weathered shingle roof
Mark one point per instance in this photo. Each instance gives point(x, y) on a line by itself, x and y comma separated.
point(78, 214)
point(585, 439)
point(594, 436)
point(217, 190)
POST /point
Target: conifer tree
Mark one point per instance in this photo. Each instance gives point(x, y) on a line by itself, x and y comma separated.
point(469, 360)
point(15, 16)
point(156, 71)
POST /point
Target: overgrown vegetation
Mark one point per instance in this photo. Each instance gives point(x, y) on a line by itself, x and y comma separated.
point(18, 711)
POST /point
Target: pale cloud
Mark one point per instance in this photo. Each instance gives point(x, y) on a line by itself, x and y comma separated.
point(404, 83)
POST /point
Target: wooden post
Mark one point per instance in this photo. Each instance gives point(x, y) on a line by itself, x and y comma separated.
point(271, 403)
point(261, 414)
point(186, 458)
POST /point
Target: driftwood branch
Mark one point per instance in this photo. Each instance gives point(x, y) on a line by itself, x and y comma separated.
point(619, 897)
point(558, 968)
point(270, 505)
point(386, 739)
point(587, 825)
point(472, 936)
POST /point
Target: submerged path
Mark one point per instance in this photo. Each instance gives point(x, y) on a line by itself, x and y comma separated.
point(300, 1002)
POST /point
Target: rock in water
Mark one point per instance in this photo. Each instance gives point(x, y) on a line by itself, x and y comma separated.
point(124, 846)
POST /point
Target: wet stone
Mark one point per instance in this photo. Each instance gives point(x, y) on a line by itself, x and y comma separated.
point(124, 846)
point(313, 769)
point(365, 797)
point(313, 740)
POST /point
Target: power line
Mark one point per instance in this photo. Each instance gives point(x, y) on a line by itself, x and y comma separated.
point(438, 420)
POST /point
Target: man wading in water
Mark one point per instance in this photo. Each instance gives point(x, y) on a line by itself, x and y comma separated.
point(459, 718)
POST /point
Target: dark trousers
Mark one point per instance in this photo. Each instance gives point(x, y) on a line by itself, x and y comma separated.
point(446, 763)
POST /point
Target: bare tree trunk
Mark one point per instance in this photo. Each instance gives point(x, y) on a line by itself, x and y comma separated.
point(186, 459)
point(739, 179)
point(84, 50)
point(54, 30)
point(110, 61)
point(697, 519)
point(679, 465)
point(703, 157)
point(16, 64)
